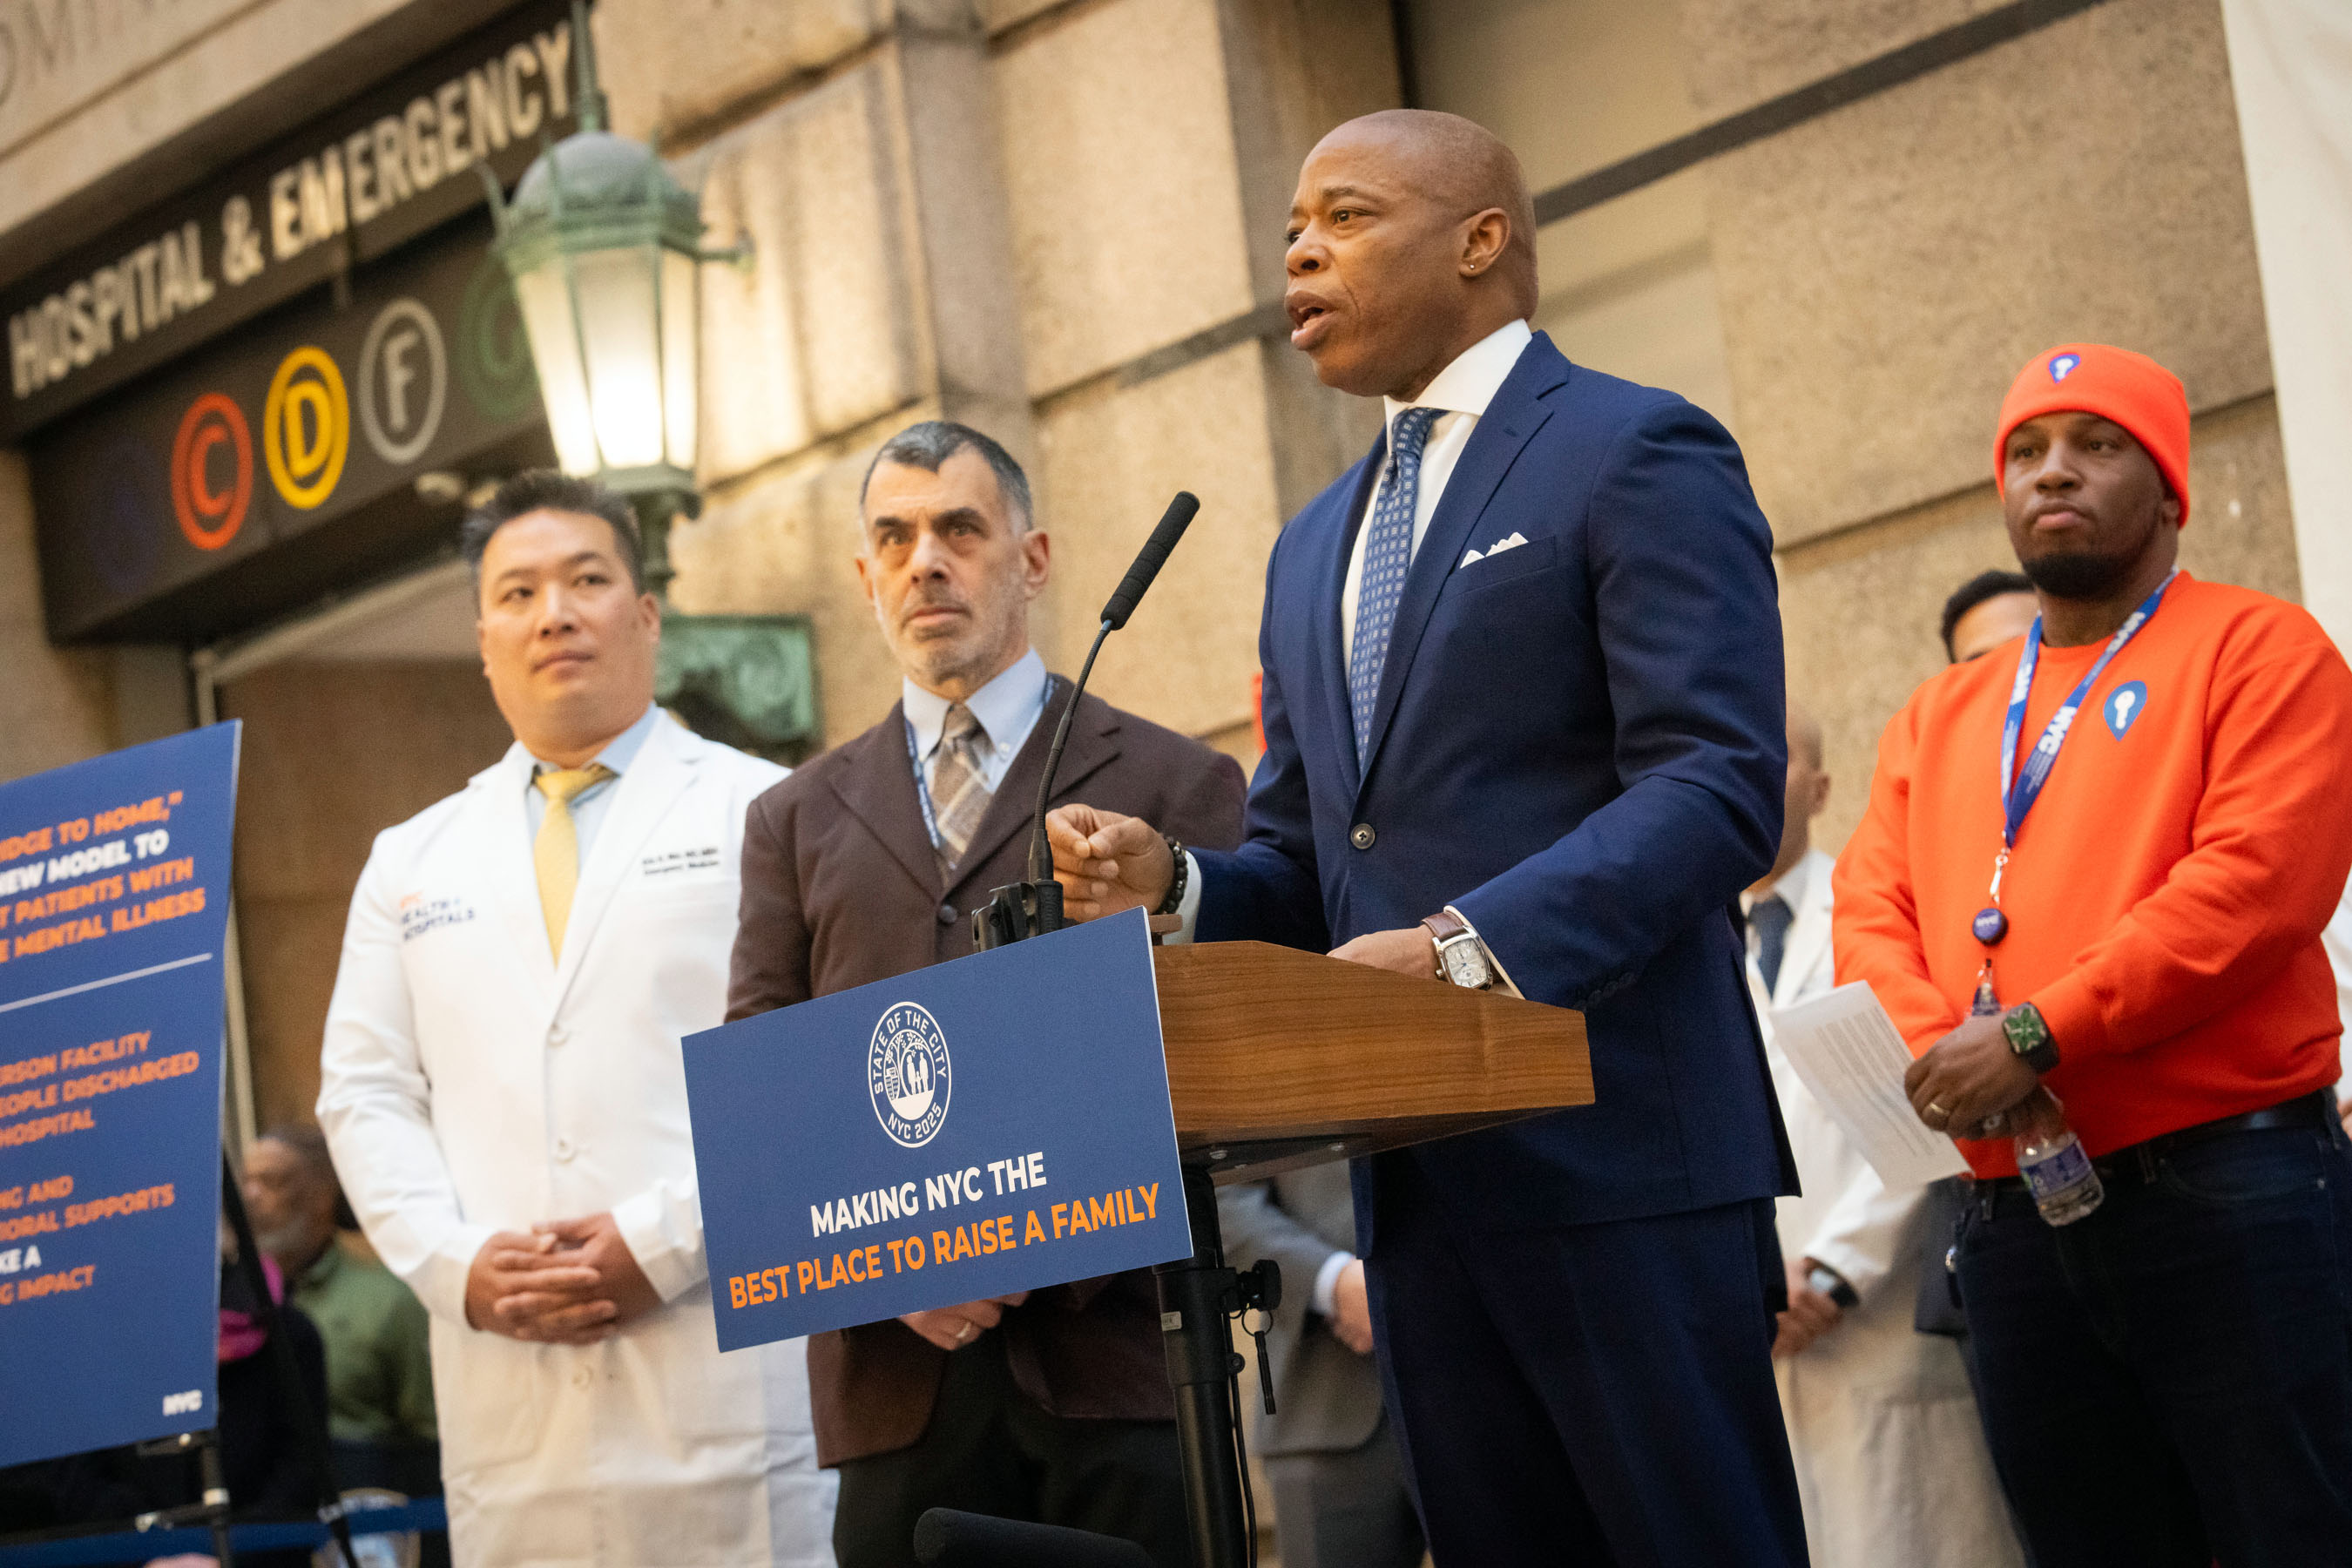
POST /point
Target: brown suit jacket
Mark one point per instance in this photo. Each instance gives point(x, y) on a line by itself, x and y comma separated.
point(841, 888)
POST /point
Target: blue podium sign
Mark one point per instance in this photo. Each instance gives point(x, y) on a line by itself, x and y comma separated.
point(114, 877)
point(994, 1124)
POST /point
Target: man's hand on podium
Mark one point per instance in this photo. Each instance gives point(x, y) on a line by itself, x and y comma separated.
point(1108, 863)
point(1407, 952)
point(953, 1328)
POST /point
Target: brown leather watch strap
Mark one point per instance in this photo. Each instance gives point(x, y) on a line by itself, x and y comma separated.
point(1446, 925)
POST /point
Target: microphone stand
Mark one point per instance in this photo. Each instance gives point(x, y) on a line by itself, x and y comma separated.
point(1020, 910)
point(1198, 1295)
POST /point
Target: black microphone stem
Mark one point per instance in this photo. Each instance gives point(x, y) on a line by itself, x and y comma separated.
point(1041, 847)
point(1035, 907)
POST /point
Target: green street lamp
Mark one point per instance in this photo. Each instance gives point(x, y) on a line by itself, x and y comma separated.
point(604, 249)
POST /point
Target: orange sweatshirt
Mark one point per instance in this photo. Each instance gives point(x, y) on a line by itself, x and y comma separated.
point(2168, 892)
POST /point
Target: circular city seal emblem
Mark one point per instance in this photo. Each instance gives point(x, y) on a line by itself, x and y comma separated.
point(906, 1074)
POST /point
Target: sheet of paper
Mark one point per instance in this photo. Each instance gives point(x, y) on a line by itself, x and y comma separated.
point(1848, 1052)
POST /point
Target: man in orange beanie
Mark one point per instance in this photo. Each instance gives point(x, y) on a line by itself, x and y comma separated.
point(2099, 862)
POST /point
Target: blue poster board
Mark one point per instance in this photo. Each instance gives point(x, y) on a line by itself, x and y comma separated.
point(994, 1124)
point(114, 878)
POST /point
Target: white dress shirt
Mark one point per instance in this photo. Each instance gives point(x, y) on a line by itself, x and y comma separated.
point(1463, 389)
point(1008, 708)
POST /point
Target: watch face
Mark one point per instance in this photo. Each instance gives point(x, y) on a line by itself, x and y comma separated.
point(1465, 966)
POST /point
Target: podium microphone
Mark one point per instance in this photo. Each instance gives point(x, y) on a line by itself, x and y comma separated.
point(1035, 907)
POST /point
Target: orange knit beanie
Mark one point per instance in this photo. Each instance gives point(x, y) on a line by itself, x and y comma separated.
point(2115, 383)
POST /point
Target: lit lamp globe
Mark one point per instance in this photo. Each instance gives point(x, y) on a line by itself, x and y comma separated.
point(604, 249)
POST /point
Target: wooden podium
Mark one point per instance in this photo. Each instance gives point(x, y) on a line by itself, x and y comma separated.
point(1277, 1060)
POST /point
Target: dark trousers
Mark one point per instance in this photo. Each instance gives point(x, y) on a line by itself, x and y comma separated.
point(1350, 1510)
point(988, 1450)
point(1589, 1394)
point(2169, 1381)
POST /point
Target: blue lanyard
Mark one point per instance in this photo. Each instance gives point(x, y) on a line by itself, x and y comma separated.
point(2015, 803)
point(923, 786)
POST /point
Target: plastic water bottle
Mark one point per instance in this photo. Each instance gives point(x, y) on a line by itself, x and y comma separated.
point(2065, 1183)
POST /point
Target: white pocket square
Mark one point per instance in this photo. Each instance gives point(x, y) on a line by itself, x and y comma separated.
point(1511, 542)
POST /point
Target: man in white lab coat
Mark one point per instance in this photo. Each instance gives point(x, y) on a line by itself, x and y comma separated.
point(1891, 1460)
point(504, 1094)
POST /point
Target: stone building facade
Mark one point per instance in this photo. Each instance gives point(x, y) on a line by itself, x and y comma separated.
point(1061, 220)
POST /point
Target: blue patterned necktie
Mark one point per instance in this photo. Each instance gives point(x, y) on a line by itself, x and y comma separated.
point(1388, 554)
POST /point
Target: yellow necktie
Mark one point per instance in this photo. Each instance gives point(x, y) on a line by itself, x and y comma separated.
point(556, 854)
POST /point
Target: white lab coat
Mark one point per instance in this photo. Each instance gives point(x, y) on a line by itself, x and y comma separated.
point(1891, 1459)
point(473, 1084)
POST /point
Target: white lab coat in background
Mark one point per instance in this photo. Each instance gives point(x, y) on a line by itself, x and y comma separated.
point(2337, 940)
point(1891, 1460)
point(473, 1084)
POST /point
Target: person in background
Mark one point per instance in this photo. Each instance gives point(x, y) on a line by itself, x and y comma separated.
point(267, 1452)
point(1988, 610)
point(504, 1092)
point(2099, 862)
point(379, 1362)
point(1891, 1461)
point(1340, 1498)
point(2337, 940)
point(1051, 1407)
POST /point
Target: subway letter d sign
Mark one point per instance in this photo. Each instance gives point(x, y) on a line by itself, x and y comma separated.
point(306, 427)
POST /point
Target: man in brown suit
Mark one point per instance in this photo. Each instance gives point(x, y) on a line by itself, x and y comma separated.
point(866, 863)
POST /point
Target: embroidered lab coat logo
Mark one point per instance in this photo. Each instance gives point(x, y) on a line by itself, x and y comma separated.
point(421, 913)
point(908, 1075)
point(2124, 706)
point(2063, 365)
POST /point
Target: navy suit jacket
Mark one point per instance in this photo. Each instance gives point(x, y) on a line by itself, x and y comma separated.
point(1580, 744)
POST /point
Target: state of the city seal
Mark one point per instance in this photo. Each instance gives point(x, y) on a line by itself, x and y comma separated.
point(906, 1074)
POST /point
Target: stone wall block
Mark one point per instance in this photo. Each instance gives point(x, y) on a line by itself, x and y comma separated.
point(56, 704)
point(1884, 270)
point(1120, 163)
point(1738, 53)
point(998, 15)
point(821, 335)
point(668, 63)
point(785, 543)
point(1111, 463)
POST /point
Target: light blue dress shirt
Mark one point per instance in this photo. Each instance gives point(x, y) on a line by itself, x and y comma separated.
point(589, 806)
point(1008, 708)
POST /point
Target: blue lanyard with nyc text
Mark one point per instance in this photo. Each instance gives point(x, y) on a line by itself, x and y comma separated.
point(2018, 799)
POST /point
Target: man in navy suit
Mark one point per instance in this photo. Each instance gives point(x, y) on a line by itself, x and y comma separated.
point(1524, 728)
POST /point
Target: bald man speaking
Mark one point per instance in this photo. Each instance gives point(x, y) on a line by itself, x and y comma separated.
point(1524, 729)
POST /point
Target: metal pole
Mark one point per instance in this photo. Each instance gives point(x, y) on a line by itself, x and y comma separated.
point(1197, 1296)
point(240, 1125)
point(215, 1501)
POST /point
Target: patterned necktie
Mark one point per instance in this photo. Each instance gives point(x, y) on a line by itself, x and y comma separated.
point(1388, 554)
point(555, 854)
point(959, 791)
point(1770, 919)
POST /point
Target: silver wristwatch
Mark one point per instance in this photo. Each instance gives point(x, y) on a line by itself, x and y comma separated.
point(1461, 957)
